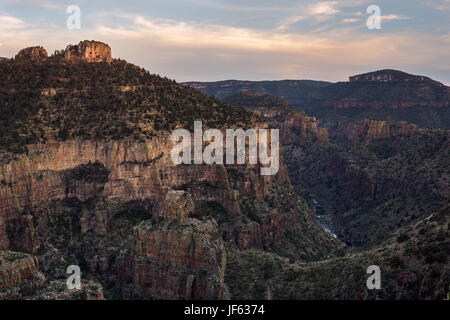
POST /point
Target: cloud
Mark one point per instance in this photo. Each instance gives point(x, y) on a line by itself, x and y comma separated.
point(394, 17)
point(196, 51)
point(319, 11)
point(192, 34)
point(286, 23)
point(190, 50)
point(51, 5)
point(350, 20)
point(240, 7)
point(440, 5)
point(11, 23)
point(324, 8)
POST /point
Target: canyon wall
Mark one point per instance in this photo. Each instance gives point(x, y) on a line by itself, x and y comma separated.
point(34, 186)
point(366, 130)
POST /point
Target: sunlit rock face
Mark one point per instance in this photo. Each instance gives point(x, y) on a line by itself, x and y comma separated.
point(33, 53)
point(90, 51)
point(367, 130)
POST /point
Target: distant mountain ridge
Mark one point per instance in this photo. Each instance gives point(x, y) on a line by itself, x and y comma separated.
point(391, 75)
point(380, 95)
point(295, 92)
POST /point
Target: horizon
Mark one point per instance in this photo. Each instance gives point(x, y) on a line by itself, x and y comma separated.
point(257, 80)
point(208, 41)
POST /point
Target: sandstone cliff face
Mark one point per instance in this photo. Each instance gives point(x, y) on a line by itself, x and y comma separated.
point(31, 182)
point(32, 53)
point(90, 51)
point(366, 130)
point(295, 126)
point(175, 260)
point(16, 267)
point(119, 172)
point(298, 127)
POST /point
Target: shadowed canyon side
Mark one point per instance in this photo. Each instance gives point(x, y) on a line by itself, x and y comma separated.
point(86, 178)
point(381, 186)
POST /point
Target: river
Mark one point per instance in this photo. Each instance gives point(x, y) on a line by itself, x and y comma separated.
point(321, 219)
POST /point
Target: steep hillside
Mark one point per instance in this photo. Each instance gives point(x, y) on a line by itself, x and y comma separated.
point(370, 188)
point(380, 175)
point(295, 125)
point(55, 98)
point(384, 190)
point(413, 265)
point(86, 178)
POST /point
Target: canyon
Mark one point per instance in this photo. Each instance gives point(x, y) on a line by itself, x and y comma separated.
point(87, 179)
point(106, 196)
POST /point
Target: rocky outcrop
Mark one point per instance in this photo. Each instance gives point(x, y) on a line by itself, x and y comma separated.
point(20, 278)
point(299, 128)
point(175, 204)
point(33, 53)
point(295, 126)
point(174, 260)
point(367, 130)
point(261, 235)
point(90, 51)
point(16, 267)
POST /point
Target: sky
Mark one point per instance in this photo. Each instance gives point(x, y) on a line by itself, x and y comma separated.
point(210, 40)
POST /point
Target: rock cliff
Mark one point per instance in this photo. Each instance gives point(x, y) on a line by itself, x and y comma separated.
point(367, 130)
point(16, 267)
point(295, 126)
point(175, 260)
point(32, 53)
point(90, 51)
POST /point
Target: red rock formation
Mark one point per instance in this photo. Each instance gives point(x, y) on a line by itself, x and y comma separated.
point(32, 53)
point(90, 51)
point(15, 267)
point(19, 271)
point(366, 130)
point(33, 181)
point(174, 260)
point(175, 204)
